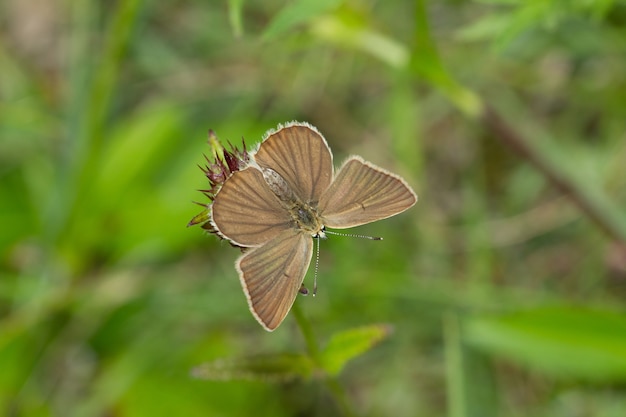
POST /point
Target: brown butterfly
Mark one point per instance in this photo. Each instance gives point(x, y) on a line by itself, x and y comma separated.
point(287, 195)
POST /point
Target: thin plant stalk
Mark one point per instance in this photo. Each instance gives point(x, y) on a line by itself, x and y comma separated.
point(312, 346)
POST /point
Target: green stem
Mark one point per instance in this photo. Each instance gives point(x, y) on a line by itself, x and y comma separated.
point(307, 332)
point(339, 394)
point(454, 366)
point(89, 111)
point(312, 346)
point(589, 200)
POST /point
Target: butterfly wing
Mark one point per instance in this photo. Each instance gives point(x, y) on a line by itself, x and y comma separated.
point(362, 193)
point(301, 156)
point(272, 274)
point(246, 212)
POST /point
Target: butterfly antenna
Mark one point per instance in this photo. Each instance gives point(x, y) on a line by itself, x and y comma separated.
point(317, 261)
point(353, 235)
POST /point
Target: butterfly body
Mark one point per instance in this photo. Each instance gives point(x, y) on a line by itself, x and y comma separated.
point(304, 214)
point(288, 194)
point(307, 219)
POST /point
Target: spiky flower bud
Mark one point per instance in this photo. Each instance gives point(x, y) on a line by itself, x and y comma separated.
point(217, 170)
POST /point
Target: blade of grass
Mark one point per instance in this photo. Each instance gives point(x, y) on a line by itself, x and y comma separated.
point(296, 13)
point(88, 108)
point(589, 198)
point(235, 8)
point(561, 341)
point(425, 62)
point(455, 378)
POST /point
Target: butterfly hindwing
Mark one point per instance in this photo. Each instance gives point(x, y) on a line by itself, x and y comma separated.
point(271, 275)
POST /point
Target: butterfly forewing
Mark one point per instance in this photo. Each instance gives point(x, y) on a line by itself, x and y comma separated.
point(362, 193)
point(272, 274)
point(300, 155)
point(246, 212)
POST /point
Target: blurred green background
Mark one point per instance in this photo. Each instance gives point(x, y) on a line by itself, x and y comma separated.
point(504, 286)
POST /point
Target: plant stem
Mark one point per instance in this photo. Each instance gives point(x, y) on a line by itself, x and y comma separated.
point(312, 346)
point(307, 332)
point(88, 135)
point(596, 206)
point(590, 200)
point(454, 366)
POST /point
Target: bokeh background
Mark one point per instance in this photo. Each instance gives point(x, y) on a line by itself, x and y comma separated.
point(504, 287)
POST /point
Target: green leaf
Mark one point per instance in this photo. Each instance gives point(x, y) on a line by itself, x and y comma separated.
point(235, 8)
point(563, 341)
point(296, 13)
point(426, 63)
point(513, 18)
point(484, 29)
point(349, 344)
point(270, 367)
point(137, 148)
point(346, 31)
